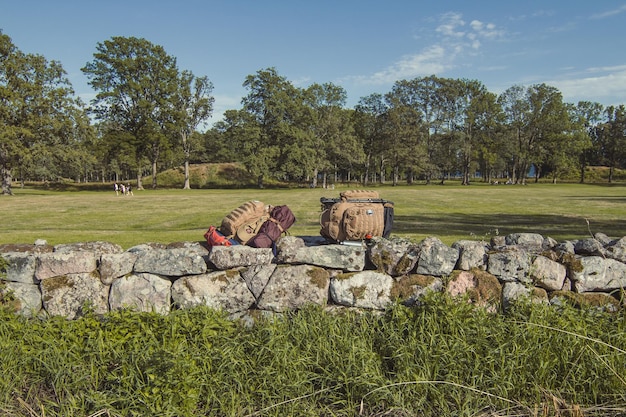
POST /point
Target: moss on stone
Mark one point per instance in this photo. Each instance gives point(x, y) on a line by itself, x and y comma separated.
point(344, 276)
point(358, 292)
point(55, 283)
point(318, 277)
point(404, 287)
point(587, 299)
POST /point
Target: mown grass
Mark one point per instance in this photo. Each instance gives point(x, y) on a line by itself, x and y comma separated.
point(443, 359)
point(450, 212)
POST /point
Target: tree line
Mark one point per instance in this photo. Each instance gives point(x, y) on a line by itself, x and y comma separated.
point(147, 115)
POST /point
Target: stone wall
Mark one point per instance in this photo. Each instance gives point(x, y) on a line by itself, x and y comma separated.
point(65, 279)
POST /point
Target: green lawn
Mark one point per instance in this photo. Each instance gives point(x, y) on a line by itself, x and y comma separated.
point(451, 212)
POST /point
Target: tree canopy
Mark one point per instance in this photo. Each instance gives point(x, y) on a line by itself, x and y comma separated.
point(147, 113)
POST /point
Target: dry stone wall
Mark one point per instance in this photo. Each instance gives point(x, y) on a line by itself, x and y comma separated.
point(65, 280)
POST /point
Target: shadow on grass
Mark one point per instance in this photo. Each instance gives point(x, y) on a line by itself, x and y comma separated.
point(477, 225)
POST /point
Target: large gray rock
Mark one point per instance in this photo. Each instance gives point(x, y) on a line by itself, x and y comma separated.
point(436, 258)
point(529, 241)
point(115, 265)
point(27, 297)
point(292, 287)
point(67, 295)
point(472, 254)
point(293, 250)
point(367, 289)
point(21, 267)
point(395, 257)
point(229, 257)
point(257, 277)
point(513, 292)
point(57, 264)
point(221, 290)
point(589, 246)
point(548, 274)
point(141, 292)
point(96, 247)
point(617, 250)
point(510, 266)
point(170, 262)
point(599, 274)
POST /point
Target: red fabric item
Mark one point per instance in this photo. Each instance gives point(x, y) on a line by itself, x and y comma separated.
point(281, 219)
point(215, 238)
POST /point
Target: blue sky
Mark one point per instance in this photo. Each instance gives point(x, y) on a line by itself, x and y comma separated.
point(363, 46)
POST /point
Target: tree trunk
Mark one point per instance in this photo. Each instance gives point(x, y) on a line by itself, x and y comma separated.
point(6, 181)
point(186, 186)
point(139, 182)
point(154, 174)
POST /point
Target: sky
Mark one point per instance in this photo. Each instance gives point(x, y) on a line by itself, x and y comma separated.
point(363, 46)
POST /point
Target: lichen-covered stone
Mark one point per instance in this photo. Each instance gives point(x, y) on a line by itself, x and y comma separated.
point(412, 288)
point(228, 257)
point(436, 258)
point(394, 257)
point(26, 298)
point(480, 287)
point(292, 250)
point(366, 289)
point(63, 263)
point(510, 266)
point(599, 274)
point(171, 262)
point(115, 265)
point(292, 287)
point(221, 290)
point(547, 273)
point(472, 254)
point(141, 292)
point(20, 267)
point(68, 295)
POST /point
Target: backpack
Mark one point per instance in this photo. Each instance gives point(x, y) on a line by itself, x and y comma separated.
point(356, 215)
point(245, 221)
point(281, 219)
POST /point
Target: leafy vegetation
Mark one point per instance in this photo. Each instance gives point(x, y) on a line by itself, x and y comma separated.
point(146, 115)
point(444, 358)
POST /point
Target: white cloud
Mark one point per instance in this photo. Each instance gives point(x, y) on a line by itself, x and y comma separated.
point(605, 85)
point(455, 37)
point(451, 21)
point(429, 61)
point(609, 13)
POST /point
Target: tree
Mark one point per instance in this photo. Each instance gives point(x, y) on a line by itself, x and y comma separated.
point(275, 107)
point(333, 142)
point(613, 138)
point(136, 82)
point(193, 105)
point(404, 131)
point(588, 115)
point(42, 124)
point(369, 125)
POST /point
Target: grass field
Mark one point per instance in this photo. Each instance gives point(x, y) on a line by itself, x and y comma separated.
point(450, 212)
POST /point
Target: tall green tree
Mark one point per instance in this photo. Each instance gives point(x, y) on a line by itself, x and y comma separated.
point(333, 144)
point(369, 118)
point(588, 115)
point(193, 105)
point(613, 138)
point(135, 82)
point(42, 124)
point(275, 106)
